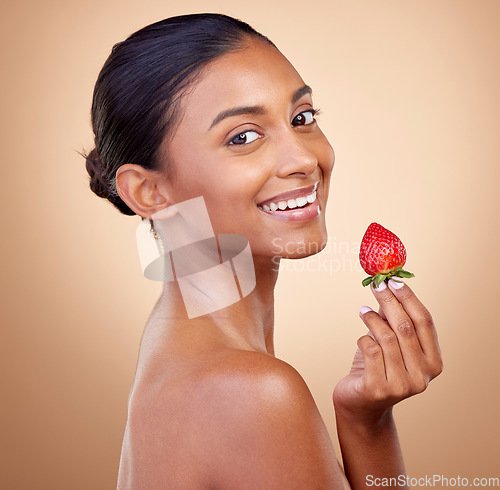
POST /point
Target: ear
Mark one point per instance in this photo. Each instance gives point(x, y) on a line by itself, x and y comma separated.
point(139, 189)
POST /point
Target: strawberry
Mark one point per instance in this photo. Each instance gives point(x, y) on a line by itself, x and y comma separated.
point(382, 255)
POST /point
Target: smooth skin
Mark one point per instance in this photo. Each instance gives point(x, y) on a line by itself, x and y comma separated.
point(211, 406)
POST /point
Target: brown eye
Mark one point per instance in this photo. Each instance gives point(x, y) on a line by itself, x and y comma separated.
point(304, 118)
point(244, 138)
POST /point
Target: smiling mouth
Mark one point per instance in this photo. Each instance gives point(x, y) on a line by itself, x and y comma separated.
point(299, 202)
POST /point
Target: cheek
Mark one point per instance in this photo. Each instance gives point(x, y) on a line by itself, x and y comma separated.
point(195, 176)
point(184, 182)
point(229, 194)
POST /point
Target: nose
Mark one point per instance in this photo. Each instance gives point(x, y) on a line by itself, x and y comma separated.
point(295, 156)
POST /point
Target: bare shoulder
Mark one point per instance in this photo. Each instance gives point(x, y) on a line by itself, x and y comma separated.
point(240, 420)
point(264, 428)
point(260, 380)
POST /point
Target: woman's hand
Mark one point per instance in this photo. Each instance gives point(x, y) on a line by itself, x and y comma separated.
point(397, 359)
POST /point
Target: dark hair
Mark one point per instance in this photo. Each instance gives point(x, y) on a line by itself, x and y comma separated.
point(137, 93)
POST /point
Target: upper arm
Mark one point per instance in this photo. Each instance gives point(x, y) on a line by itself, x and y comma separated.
point(264, 430)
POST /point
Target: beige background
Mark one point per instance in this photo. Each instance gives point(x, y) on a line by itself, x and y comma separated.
point(409, 92)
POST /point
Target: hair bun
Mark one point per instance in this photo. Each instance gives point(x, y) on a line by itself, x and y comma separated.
point(95, 169)
point(100, 185)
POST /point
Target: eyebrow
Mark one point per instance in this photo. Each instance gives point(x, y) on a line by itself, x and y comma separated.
point(256, 109)
point(301, 92)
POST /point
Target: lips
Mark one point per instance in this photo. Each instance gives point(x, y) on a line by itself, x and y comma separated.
point(297, 205)
point(296, 198)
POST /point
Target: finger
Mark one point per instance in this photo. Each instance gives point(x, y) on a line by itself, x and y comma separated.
point(388, 341)
point(401, 324)
point(373, 361)
point(420, 316)
point(382, 314)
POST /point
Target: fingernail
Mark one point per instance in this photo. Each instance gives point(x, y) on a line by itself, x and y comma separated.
point(364, 309)
point(380, 287)
point(396, 283)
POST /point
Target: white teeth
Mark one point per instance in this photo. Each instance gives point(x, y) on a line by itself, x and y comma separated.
point(299, 202)
point(311, 197)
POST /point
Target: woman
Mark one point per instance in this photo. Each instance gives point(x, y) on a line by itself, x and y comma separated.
point(202, 105)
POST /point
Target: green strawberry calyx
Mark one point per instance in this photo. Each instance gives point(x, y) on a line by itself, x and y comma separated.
point(385, 276)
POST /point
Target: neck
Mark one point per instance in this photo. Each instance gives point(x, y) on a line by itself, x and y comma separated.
point(254, 314)
point(248, 323)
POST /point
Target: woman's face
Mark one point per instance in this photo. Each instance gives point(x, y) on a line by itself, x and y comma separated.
point(248, 142)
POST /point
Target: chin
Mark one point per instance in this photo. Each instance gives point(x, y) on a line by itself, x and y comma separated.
point(298, 247)
point(311, 248)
